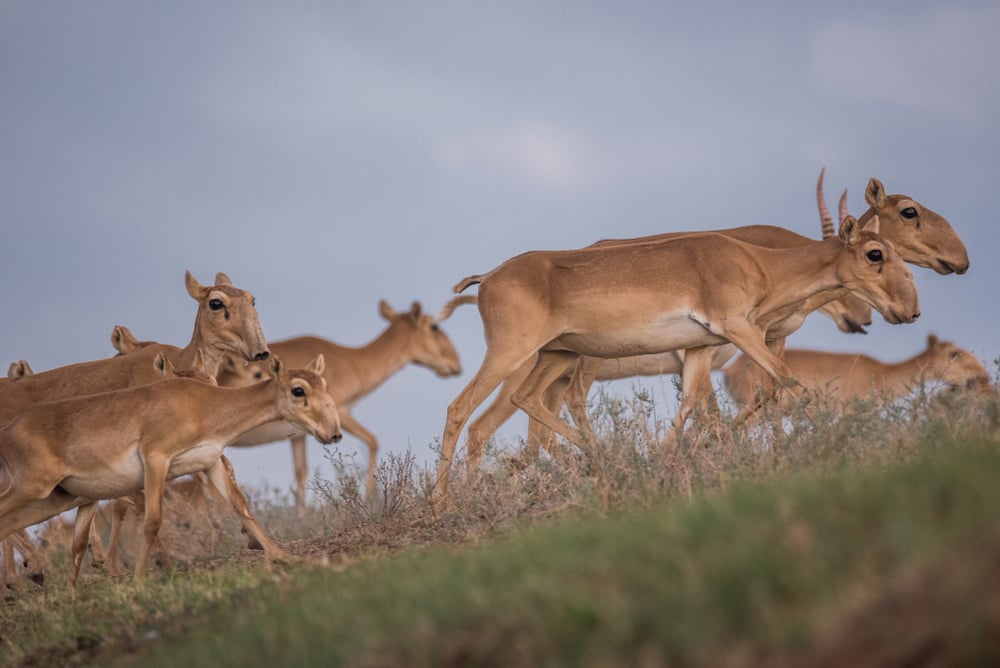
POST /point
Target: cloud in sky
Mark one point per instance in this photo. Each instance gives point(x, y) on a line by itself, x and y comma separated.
point(939, 63)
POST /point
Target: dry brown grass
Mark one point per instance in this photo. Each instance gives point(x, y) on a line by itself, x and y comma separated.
point(637, 464)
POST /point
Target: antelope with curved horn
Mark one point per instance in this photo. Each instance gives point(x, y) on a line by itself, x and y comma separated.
point(689, 293)
point(844, 376)
point(411, 337)
point(927, 238)
point(65, 454)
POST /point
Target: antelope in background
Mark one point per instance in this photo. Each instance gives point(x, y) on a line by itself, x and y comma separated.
point(620, 300)
point(922, 237)
point(411, 337)
point(844, 376)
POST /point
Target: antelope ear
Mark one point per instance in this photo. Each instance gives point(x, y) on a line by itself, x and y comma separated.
point(385, 310)
point(849, 230)
point(194, 288)
point(932, 341)
point(875, 193)
point(317, 365)
point(222, 279)
point(415, 311)
point(276, 368)
point(872, 225)
point(162, 365)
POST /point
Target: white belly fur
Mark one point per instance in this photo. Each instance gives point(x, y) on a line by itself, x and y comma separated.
point(126, 475)
point(669, 332)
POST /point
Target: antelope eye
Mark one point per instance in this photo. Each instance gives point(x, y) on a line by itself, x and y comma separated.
point(434, 327)
point(875, 255)
point(253, 301)
point(908, 212)
point(298, 392)
point(215, 304)
point(955, 354)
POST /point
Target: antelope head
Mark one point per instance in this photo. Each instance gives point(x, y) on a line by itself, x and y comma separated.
point(921, 236)
point(954, 366)
point(303, 399)
point(875, 272)
point(227, 318)
point(427, 344)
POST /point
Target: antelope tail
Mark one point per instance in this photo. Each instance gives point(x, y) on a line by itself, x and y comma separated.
point(467, 281)
point(454, 303)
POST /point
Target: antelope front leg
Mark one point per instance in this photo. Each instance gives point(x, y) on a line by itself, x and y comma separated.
point(223, 478)
point(354, 428)
point(750, 340)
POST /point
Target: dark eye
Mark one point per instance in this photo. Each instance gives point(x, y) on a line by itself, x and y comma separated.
point(434, 327)
point(298, 392)
point(908, 212)
point(215, 304)
point(875, 255)
point(258, 375)
point(253, 300)
point(955, 354)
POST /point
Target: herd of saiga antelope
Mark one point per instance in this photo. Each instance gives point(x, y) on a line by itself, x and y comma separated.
point(554, 321)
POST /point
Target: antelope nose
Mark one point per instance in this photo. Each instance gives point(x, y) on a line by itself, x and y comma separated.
point(261, 356)
point(916, 314)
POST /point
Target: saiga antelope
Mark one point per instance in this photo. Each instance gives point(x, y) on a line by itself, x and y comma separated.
point(411, 337)
point(226, 322)
point(843, 376)
point(70, 453)
point(921, 236)
point(658, 296)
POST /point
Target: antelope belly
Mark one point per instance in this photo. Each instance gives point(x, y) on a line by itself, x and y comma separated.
point(108, 479)
point(655, 336)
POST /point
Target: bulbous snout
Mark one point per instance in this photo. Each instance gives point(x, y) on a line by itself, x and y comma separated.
point(327, 426)
point(261, 355)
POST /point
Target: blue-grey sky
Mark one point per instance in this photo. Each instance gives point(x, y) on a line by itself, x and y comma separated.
point(330, 154)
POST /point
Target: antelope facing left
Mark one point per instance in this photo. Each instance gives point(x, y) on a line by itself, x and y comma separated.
point(64, 454)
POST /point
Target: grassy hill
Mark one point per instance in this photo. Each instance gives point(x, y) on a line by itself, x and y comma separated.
point(866, 539)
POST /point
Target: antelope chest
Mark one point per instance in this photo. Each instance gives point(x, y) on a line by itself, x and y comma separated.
point(196, 458)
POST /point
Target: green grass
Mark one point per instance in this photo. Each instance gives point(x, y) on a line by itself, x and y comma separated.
point(762, 570)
